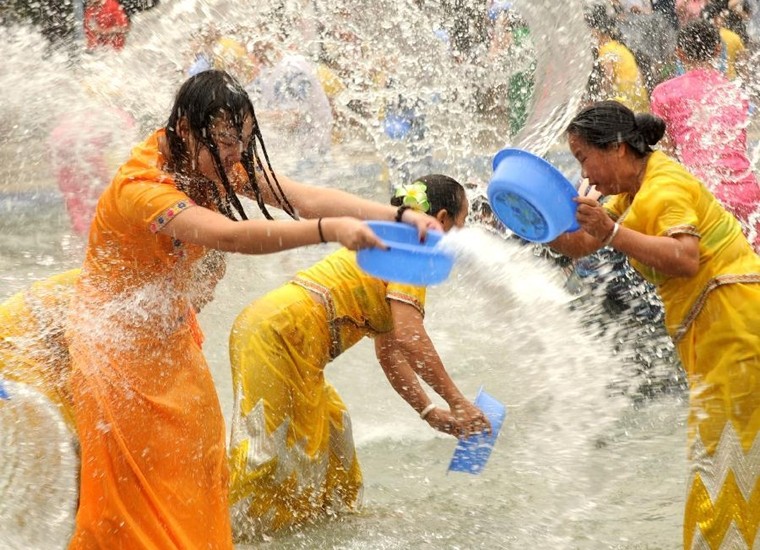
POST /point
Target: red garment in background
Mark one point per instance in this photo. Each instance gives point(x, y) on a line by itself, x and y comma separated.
point(102, 18)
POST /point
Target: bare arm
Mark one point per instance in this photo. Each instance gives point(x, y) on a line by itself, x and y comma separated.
point(311, 202)
point(676, 256)
point(410, 340)
point(199, 225)
point(576, 244)
point(404, 380)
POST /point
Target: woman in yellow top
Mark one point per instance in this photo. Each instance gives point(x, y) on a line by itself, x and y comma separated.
point(679, 237)
point(734, 52)
point(621, 78)
point(154, 464)
point(292, 451)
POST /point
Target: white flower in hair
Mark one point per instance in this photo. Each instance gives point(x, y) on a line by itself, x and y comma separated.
point(415, 196)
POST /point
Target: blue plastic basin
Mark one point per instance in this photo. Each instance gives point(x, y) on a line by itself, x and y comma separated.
point(531, 197)
point(407, 260)
point(472, 453)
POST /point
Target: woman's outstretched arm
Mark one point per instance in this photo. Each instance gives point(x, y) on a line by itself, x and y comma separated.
point(199, 225)
point(311, 202)
point(409, 341)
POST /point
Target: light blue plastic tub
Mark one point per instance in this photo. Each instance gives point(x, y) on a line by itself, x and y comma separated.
point(531, 197)
point(407, 260)
point(472, 453)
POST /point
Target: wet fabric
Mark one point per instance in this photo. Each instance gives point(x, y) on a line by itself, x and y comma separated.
point(714, 318)
point(33, 349)
point(154, 468)
point(706, 117)
point(721, 353)
point(292, 450)
point(671, 201)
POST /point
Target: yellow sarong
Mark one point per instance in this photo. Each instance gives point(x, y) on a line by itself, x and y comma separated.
point(714, 318)
point(292, 450)
point(32, 345)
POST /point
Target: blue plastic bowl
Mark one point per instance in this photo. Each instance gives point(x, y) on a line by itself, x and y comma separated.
point(531, 197)
point(407, 260)
point(472, 453)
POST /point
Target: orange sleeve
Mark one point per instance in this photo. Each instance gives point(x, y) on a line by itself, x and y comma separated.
point(152, 205)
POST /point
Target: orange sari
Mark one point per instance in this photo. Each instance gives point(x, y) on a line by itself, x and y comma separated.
point(154, 467)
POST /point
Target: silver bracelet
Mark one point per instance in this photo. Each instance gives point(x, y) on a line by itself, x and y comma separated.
point(613, 233)
point(426, 411)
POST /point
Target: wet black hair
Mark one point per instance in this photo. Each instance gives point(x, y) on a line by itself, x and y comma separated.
point(443, 193)
point(597, 18)
point(606, 123)
point(203, 98)
point(699, 40)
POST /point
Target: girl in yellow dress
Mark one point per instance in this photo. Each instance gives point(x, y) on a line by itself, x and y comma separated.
point(682, 240)
point(292, 451)
point(154, 464)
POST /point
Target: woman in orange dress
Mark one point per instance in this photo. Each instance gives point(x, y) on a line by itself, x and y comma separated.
point(154, 464)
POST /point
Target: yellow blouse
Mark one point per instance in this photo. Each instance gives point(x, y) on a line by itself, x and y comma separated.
point(628, 85)
point(671, 201)
point(357, 303)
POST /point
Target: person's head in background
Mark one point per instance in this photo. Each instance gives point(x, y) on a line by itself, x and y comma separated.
point(232, 56)
point(698, 42)
point(601, 23)
point(440, 196)
point(723, 16)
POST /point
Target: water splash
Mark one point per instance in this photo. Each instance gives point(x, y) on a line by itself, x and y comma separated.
point(563, 66)
point(503, 319)
point(39, 471)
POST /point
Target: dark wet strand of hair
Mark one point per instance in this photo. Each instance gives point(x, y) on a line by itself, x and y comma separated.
point(251, 160)
point(276, 189)
point(253, 185)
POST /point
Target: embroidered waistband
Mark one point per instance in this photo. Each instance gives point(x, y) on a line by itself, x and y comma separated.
point(699, 303)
